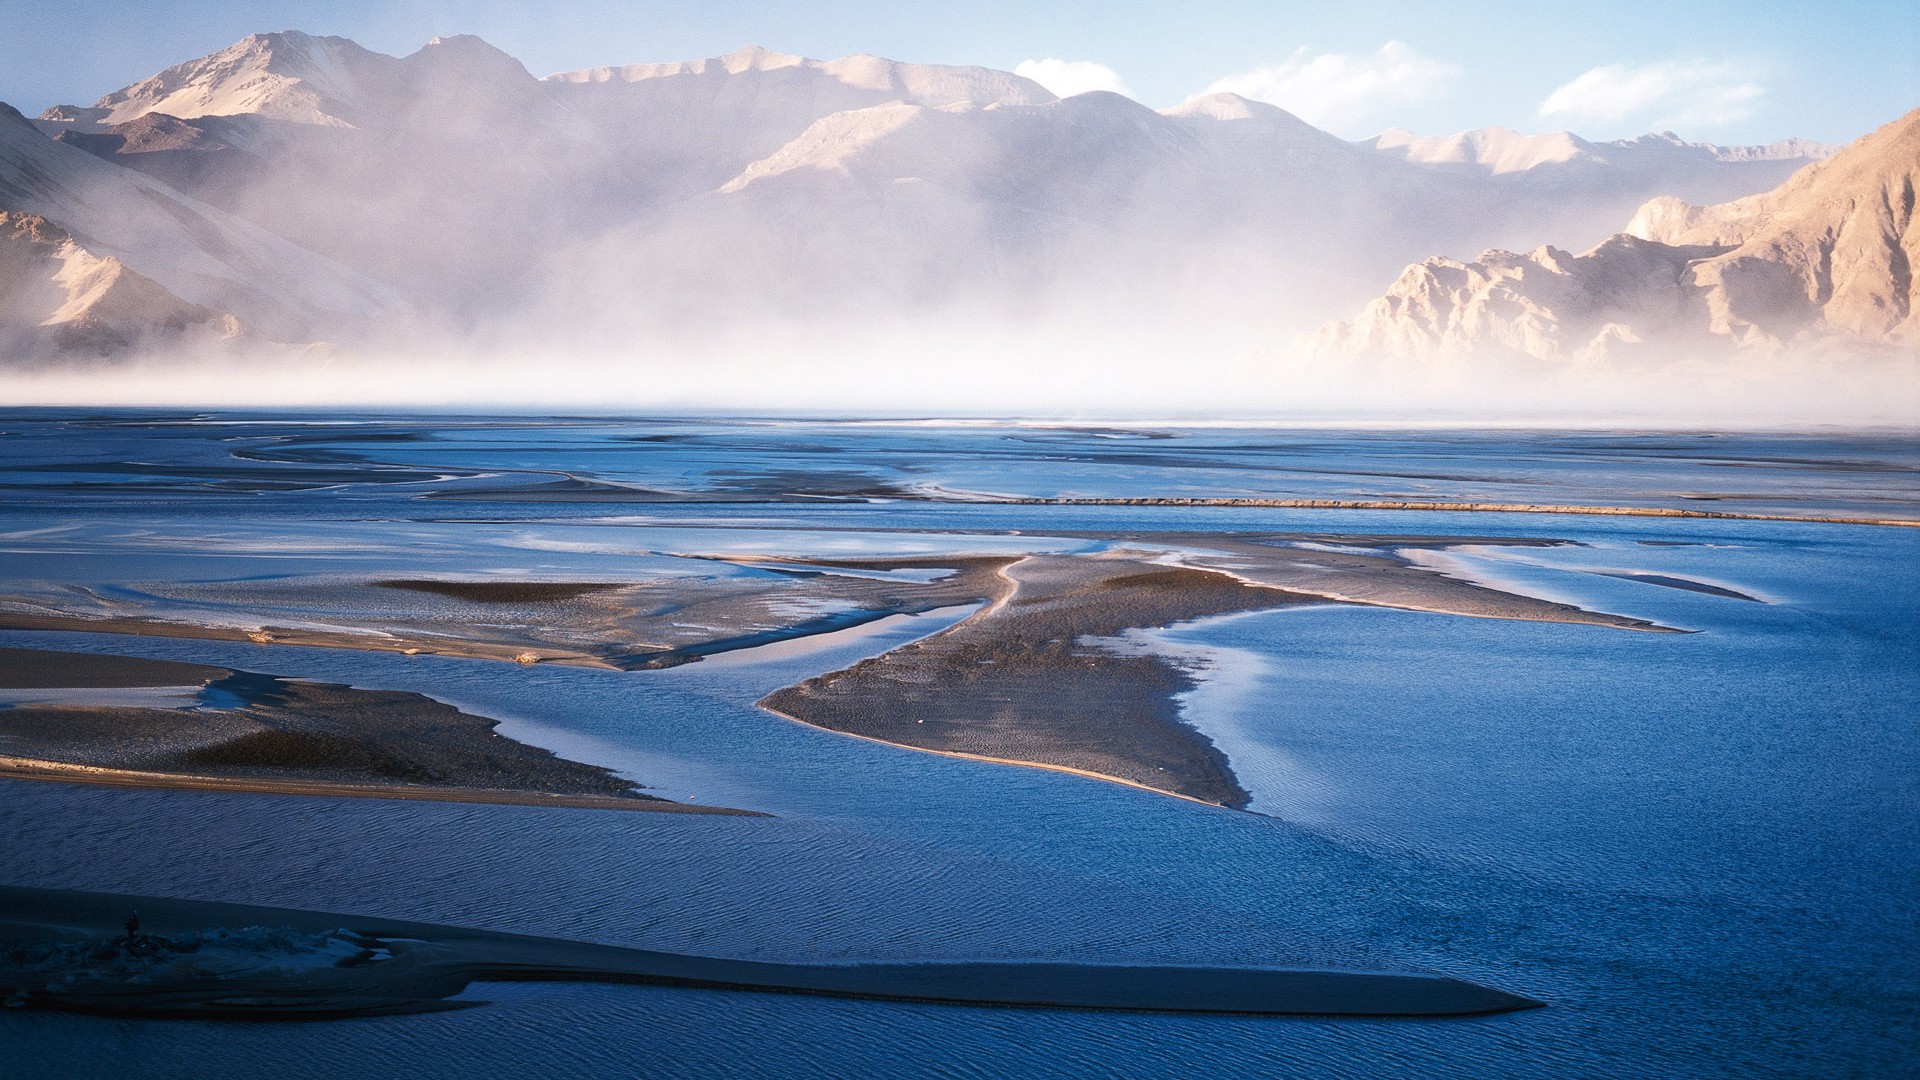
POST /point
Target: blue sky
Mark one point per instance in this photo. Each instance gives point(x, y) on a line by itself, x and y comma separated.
point(1725, 72)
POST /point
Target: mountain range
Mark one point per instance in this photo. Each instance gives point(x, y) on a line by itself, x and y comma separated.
point(297, 192)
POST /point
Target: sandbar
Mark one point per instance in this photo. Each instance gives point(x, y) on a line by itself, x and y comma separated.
point(620, 625)
point(259, 733)
point(72, 950)
point(1035, 679)
point(1683, 584)
point(1032, 678)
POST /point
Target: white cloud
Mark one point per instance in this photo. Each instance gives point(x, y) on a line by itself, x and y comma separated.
point(1678, 94)
point(1069, 77)
point(1336, 89)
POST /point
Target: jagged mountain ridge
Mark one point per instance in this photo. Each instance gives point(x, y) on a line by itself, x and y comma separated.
point(1823, 260)
point(301, 78)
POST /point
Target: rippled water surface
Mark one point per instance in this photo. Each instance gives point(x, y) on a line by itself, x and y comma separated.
point(1699, 848)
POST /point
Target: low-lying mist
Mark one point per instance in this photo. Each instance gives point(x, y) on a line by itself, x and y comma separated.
point(1112, 361)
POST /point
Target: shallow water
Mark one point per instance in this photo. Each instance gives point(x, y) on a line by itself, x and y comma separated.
point(1699, 848)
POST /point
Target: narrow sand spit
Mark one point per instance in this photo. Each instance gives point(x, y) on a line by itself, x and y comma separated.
point(1378, 575)
point(1683, 584)
point(259, 733)
point(77, 951)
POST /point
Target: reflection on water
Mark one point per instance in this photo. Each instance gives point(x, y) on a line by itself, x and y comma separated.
point(1698, 848)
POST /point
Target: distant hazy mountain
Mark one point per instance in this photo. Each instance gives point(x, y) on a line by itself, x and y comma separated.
point(1562, 189)
point(94, 249)
point(1824, 260)
point(315, 190)
point(64, 299)
point(1498, 150)
point(1833, 248)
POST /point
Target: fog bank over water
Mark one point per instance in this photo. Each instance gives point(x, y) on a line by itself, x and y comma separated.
point(947, 369)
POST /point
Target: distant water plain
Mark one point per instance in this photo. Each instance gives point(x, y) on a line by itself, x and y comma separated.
point(1700, 849)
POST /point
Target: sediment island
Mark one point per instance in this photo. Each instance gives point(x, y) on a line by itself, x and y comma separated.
point(1043, 676)
point(1035, 679)
point(1043, 673)
point(158, 957)
point(134, 722)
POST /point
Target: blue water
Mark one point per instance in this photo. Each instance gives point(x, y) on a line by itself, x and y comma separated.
point(1700, 849)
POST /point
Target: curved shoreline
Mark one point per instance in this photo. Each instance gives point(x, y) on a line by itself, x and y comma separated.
point(1027, 681)
point(1013, 683)
point(80, 967)
point(1042, 765)
point(19, 768)
point(244, 731)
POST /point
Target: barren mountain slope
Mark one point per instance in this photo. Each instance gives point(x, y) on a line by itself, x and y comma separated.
point(1833, 247)
point(202, 255)
point(59, 299)
point(1825, 260)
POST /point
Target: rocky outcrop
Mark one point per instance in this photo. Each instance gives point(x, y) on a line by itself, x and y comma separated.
point(1823, 261)
point(1546, 304)
point(1831, 251)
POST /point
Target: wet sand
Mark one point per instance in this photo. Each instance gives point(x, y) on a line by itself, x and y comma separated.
point(746, 601)
point(1389, 576)
point(802, 487)
point(63, 949)
point(1034, 679)
point(499, 592)
point(823, 486)
point(34, 769)
point(777, 486)
point(260, 733)
point(34, 669)
point(1683, 584)
point(1027, 680)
